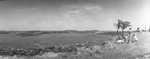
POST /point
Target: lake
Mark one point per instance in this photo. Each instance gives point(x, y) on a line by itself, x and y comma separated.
point(46, 39)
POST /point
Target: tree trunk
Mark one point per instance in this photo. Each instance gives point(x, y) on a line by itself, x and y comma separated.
point(123, 34)
point(118, 33)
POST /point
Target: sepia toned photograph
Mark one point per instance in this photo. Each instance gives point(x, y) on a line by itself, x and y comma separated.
point(74, 29)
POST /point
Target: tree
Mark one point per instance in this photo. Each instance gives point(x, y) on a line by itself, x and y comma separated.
point(121, 25)
point(118, 26)
point(124, 25)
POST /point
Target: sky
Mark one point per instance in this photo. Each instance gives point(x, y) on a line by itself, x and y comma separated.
point(72, 14)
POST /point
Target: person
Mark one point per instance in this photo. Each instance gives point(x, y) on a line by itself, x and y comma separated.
point(138, 30)
point(129, 35)
point(129, 32)
point(134, 38)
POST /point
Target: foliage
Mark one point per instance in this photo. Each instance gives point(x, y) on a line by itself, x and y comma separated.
point(122, 25)
point(118, 26)
point(38, 50)
point(84, 48)
point(125, 24)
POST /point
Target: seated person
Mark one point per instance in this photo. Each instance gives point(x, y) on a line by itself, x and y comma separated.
point(134, 38)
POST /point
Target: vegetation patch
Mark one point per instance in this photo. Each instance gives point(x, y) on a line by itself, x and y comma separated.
point(67, 51)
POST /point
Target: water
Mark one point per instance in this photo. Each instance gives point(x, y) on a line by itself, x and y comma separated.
point(46, 39)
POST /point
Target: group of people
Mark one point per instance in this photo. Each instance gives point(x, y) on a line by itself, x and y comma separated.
point(130, 38)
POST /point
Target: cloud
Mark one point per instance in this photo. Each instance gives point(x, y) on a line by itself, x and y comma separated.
point(93, 8)
point(27, 9)
point(79, 9)
point(75, 11)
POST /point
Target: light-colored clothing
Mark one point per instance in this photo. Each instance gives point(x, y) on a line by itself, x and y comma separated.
point(134, 38)
point(120, 40)
point(128, 38)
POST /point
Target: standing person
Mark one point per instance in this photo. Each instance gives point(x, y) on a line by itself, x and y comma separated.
point(129, 35)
